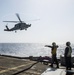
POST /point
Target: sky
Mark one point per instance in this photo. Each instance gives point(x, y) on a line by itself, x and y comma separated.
point(55, 24)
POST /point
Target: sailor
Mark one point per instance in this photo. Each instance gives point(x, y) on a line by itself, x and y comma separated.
point(68, 52)
point(53, 52)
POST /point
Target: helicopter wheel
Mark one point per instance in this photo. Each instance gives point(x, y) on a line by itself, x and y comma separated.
point(15, 31)
point(25, 28)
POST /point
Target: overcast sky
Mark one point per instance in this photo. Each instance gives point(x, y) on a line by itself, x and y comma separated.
point(56, 20)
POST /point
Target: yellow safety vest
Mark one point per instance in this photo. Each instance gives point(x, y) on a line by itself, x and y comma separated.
point(54, 49)
point(69, 52)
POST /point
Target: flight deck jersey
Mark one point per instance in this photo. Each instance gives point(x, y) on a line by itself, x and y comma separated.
point(54, 49)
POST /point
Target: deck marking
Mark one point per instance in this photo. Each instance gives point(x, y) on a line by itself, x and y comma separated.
point(14, 68)
point(3, 67)
point(33, 72)
point(54, 71)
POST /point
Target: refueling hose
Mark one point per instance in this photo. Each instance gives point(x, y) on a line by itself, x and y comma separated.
point(26, 68)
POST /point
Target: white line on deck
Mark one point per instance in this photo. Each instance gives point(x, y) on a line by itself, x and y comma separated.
point(14, 68)
point(35, 73)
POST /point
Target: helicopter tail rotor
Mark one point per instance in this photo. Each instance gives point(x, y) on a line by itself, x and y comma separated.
point(7, 29)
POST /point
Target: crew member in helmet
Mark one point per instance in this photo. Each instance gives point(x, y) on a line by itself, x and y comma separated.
point(53, 52)
point(68, 52)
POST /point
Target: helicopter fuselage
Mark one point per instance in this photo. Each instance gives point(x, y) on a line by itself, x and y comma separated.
point(18, 26)
point(21, 25)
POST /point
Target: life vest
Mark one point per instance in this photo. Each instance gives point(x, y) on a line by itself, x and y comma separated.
point(69, 52)
point(54, 49)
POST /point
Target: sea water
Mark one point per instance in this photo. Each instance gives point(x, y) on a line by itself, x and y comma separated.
point(29, 49)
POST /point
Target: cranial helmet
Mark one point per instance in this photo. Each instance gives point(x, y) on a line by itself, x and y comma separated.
point(54, 43)
point(68, 43)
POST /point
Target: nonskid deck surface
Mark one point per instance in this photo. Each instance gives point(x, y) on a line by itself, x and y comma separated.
point(15, 66)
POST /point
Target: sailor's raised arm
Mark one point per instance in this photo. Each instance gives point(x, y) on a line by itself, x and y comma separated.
point(48, 46)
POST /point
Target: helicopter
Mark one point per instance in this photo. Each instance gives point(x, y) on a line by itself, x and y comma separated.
point(20, 25)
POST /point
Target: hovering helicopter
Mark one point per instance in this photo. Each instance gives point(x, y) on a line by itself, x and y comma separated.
point(21, 25)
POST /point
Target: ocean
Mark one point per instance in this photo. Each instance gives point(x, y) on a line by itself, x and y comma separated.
point(29, 49)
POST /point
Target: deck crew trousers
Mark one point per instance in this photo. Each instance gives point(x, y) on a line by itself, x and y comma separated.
point(68, 63)
point(54, 59)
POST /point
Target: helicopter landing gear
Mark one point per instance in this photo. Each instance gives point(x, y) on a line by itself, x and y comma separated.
point(25, 28)
point(15, 31)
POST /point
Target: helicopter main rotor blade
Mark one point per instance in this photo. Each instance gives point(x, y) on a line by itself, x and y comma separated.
point(12, 21)
point(33, 20)
point(18, 17)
